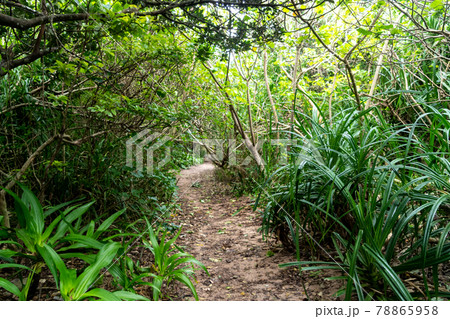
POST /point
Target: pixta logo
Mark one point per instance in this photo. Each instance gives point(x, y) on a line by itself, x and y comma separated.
point(147, 143)
point(142, 146)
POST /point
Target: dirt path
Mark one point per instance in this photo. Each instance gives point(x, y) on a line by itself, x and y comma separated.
point(222, 232)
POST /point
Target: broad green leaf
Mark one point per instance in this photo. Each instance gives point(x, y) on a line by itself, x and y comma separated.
point(100, 293)
point(126, 295)
point(364, 31)
point(81, 241)
point(9, 286)
point(67, 221)
point(92, 273)
point(36, 222)
point(53, 262)
point(437, 5)
point(11, 265)
point(108, 222)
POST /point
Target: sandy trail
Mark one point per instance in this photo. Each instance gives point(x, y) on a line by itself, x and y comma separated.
point(222, 232)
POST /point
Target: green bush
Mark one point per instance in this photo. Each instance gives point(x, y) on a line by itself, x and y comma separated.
point(377, 193)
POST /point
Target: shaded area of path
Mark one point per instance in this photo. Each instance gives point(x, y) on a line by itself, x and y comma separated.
point(222, 232)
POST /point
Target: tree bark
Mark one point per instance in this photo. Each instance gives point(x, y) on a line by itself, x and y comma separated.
point(9, 65)
point(269, 94)
point(25, 24)
point(377, 73)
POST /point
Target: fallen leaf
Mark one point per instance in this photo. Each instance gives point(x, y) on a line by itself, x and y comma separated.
point(214, 260)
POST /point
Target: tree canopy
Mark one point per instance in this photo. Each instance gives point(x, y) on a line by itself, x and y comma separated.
point(332, 115)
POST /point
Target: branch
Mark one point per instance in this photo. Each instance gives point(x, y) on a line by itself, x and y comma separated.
point(25, 24)
point(20, 6)
point(67, 139)
point(9, 65)
point(13, 108)
point(28, 162)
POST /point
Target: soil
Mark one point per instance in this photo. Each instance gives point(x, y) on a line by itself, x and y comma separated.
point(221, 231)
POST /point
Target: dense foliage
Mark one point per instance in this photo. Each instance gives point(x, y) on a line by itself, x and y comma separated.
point(335, 114)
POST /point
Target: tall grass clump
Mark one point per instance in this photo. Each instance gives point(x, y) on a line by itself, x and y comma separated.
point(372, 197)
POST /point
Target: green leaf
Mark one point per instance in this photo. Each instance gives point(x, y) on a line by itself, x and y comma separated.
point(117, 7)
point(389, 274)
point(129, 296)
point(395, 31)
point(108, 222)
point(181, 277)
point(49, 229)
point(6, 254)
point(429, 224)
point(53, 209)
point(386, 27)
point(100, 293)
point(82, 241)
point(28, 240)
point(23, 214)
point(9, 286)
point(119, 275)
point(67, 221)
point(53, 262)
point(91, 274)
point(437, 5)
point(157, 285)
point(36, 222)
point(353, 275)
point(14, 266)
point(364, 31)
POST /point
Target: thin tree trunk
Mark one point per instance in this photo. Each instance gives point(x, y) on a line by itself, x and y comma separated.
point(3, 209)
point(238, 124)
point(269, 94)
point(350, 76)
point(330, 111)
point(294, 84)
point(311, 102)
point(377, 74)
point(249, 110)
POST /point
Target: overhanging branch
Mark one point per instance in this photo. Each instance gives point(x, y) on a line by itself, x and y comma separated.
point(5, 66)
point(25, 24)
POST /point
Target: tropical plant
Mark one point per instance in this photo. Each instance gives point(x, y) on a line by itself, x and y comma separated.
point(353, 182)
point(79, 287)
point(32, 234)
point(171, 263)
point(46, 246)
point(11, 287)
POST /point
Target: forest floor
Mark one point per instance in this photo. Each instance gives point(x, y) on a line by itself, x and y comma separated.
point(221, 231)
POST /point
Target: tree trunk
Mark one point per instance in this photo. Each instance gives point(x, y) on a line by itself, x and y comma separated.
point(269, 94)
point(238, 125)
point(3, 209)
